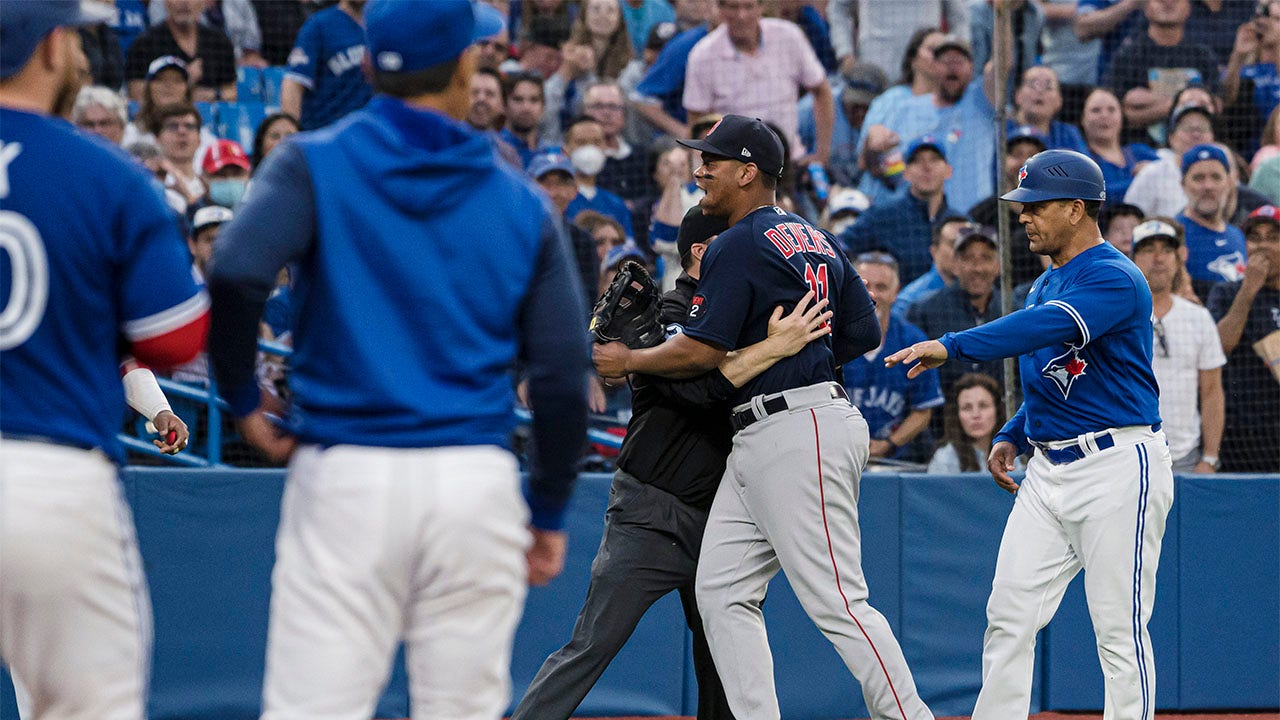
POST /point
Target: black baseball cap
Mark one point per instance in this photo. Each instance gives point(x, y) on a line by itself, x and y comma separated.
point(698, 228)
point(744, 139)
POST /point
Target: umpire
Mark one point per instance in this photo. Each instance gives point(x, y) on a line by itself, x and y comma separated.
point(668, 472)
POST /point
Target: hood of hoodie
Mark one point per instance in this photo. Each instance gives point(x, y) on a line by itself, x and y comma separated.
point(422, 158)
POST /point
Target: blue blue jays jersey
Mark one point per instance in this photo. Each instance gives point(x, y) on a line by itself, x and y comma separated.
point(1085, 344)
point(884, 395)
point(768, 259)
point(1213, 256)
point(326, 58)
point(89, 255)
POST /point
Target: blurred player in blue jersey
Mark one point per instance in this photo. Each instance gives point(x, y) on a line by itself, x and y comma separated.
point(425, 267)
point(91, 268)
point(1100, 483)
point(324, 80)
point(788, 498)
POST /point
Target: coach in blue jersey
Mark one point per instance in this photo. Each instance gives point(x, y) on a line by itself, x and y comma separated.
point(416, 294)
point(1100, 483)
point(91, 264)
point(325, 80)
point(788, 499)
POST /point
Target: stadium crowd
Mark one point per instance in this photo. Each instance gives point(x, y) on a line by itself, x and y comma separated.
point(887, 109)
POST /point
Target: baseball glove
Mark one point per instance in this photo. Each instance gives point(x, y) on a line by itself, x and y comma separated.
point(629, 309)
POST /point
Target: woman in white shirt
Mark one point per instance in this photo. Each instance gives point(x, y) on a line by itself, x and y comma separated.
point(972, 418)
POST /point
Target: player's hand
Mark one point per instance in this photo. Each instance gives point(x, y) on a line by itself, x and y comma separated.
point(1001, 462)
point(610, 359)
point(172, 431)
point(259, 431)
point(807, 321)
point(546, 556)
point(596, 400)
point(927, 355)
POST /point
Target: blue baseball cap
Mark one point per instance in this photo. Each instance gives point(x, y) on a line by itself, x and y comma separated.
point(548, 163)
point(926, 142)
point(1059, 175)
point(1204, 151)
point(1026, 133)
point(626, 251)
point(410, 35)
point(23, 25)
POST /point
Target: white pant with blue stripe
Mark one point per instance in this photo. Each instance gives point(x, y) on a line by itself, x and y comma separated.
point(1105, 514)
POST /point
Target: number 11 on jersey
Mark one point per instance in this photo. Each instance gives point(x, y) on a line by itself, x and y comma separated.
point(817, 281)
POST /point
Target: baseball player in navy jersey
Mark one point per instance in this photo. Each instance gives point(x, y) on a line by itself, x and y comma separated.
point(1100, 483)
point(416, 293)
point(788, 498)
point(89, 262)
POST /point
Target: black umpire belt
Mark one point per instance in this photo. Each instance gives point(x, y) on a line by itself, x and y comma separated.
point(762, 406)
point(1069, 451)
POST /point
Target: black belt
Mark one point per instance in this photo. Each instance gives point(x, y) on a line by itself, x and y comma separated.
point(1072, 453)
point(773, 405)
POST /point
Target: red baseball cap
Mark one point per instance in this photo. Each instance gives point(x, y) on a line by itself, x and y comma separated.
point(223, 153)
point(1265, 214)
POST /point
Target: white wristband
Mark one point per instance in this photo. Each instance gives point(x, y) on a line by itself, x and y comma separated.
point(143, 393)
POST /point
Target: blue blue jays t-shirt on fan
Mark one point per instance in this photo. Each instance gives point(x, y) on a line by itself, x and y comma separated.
point(768, 259)
point(1213, 256)
point(1085, 344)
point(326, 59)
point(884, 395)
point(1266, 86)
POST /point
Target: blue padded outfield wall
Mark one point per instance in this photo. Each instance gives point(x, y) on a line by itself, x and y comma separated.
point(929, 549)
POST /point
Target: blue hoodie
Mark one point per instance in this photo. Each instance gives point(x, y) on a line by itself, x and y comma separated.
point(426, 268)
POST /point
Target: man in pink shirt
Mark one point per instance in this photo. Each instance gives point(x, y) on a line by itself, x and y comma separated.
point(758, 67)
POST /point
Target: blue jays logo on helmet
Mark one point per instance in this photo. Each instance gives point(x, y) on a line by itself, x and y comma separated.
point(1065, 369)
point(1058, 175)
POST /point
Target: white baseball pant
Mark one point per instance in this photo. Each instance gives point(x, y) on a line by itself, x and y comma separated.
point(377, 545)
point(789, 500)
point(75, 616)
point(1104, 513)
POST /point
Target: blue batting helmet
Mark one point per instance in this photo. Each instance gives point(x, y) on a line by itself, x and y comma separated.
point(1058, 175)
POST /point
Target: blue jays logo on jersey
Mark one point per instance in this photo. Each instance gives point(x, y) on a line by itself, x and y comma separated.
point(1065, 369)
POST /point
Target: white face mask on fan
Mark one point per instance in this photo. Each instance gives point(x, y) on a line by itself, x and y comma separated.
point(588, 160)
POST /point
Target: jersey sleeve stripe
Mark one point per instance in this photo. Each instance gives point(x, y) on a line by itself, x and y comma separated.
point(301, 79)
point(1075, 315)
point(930, 404)
point(167, 320)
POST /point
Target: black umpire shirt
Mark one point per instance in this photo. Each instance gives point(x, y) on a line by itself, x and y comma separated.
point(679, 435)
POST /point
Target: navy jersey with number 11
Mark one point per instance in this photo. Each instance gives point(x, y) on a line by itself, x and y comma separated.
point(771, 258)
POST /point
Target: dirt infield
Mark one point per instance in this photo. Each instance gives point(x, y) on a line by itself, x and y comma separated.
point(1049, 716)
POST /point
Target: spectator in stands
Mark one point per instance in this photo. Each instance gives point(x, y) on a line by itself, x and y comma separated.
point(1154, 65)
point(177, 131)
point(554, 173)
point(639, 17)
point(1027, 20)
point(226, 172)
point(970, 302)
point(843, 209)
point(1103, 125)
point(758, 67)
point(166, 84)
point(544, 27)
point(1111, 22)
point(879, 156)
point(613, 260)
point(525, 103)
point(1117, 221)
point(325, 79)
point(1186, 354)
point(606, 232)
point(1020, 144)
point(971, 418)
point(943, 271)
point(814, 27)
point(897, 409)
point(1038, 101)
point(659, 36)
point(584, 144)
point(102, 49)
point(208, 53)
point(860, 85)
point(204, 231)
point(904, 225)
point(273, 129)
point(625, 167)
point(673, 177)
point(1075, 60)
point(659, 96)
point(493, 52)
point(1215, 248)
point(1251, 82)
point(1214, 23)
point(101, 111)
point(881, 29)
point(487, 100)
point(279, 23)
point(564, 89)
point(1157, 188)
point(1248, 311)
